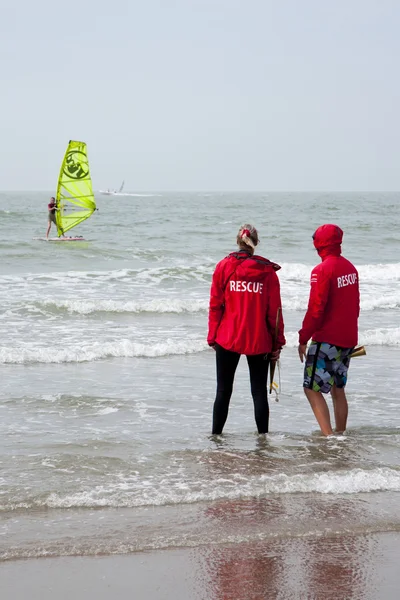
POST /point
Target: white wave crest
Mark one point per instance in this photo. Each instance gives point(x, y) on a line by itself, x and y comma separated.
point(375, 301)
point(107, 411)
point(380, 337)
point(123, 494)
point(168, 347)
point(98, 351)
point(155, 275)
point(370, 300)
point(295, 272)
point(370, 337)
point(156, 305)
point(379, 272)
point(291, 300)
point(371, 273)
point(294, 300)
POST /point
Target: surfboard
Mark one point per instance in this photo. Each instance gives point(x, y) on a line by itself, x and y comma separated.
point(62, 239)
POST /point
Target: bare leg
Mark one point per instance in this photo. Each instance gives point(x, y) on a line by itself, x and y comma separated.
point(340, 407)
point(48, 230)
point(320, 409)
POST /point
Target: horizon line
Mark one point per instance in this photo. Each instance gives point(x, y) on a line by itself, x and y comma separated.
point(227, 191)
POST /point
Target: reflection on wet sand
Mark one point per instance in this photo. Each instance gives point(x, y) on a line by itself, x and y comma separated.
point(305, 562)
point(322, 568)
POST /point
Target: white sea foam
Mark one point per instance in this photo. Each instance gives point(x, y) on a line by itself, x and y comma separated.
point(97, 351)
point(295, 272)
point(156, 274)
point(107, 411)
point(81, 352)
point(291, 300)
point(374, 300)
point(370, 337)
point(67, 276)
point(127, 494)
point(379, 272)
point(294, 299)
point(300, 272)
point(380, 337)
point(156, 305)
point(371, 273)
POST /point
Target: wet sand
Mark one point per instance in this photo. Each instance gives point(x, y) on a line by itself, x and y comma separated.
point(362, 567)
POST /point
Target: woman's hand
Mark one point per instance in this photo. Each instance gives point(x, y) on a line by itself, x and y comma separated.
point(274, 356)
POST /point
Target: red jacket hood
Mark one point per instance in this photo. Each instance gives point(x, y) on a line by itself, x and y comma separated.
point(327, 240)
point(255, 265)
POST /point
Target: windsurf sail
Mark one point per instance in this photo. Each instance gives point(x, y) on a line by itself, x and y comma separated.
point(75, 200)
point(122, 187)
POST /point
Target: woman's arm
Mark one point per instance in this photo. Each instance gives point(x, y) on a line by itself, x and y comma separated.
point(216, 307)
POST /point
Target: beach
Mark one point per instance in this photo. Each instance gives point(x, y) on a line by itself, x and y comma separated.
point(363, 567)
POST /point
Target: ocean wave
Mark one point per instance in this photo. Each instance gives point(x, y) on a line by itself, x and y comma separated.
point(369, 337)
point(382, 301)
point(119, 543)
point(380, 337)
point(98, 351)
point(291, 272)
point(180, 272)
point(370, 300)
point(170, 304)
point(156, 305)
point(81, 352)
point(370, 273)
point(379, 272)
point(132, 494)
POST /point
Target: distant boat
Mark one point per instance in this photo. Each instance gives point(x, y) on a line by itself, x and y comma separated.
point(120, 192)
point(113, 192)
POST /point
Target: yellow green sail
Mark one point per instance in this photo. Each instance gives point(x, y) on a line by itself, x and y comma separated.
point(74, 199)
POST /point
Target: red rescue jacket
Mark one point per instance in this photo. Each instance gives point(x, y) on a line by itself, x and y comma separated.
point(244, 302)
point(334, 304)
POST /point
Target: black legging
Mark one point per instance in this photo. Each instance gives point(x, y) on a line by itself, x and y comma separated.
point(226, 366)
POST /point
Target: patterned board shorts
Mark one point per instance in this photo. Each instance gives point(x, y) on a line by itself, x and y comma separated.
point(326, 365)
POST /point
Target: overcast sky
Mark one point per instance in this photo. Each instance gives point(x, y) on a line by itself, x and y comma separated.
point(202, 94)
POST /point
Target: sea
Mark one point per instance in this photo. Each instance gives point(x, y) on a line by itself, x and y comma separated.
point(107, 383)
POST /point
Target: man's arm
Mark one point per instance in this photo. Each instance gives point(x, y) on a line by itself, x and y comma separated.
point(316, 306)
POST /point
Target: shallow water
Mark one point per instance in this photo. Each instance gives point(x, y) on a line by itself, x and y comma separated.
point(108, 384)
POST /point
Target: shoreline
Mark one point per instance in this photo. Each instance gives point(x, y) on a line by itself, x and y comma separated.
point(361, 566)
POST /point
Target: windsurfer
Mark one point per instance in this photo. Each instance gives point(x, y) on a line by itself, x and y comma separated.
point(52, 207)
